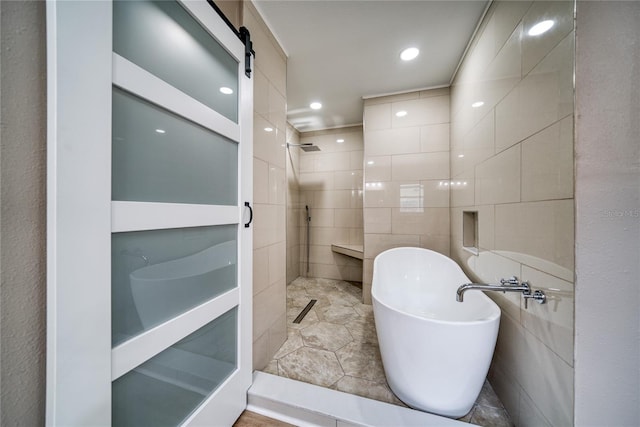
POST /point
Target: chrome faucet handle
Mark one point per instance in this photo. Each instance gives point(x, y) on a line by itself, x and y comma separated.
point(511, 281)
point(537, 295)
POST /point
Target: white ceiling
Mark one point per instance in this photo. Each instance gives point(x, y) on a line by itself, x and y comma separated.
point(341, 51)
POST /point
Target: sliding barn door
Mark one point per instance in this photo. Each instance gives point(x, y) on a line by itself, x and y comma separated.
point(149, 258)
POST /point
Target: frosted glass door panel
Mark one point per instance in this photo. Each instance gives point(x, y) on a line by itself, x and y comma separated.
point(162, 38)
point(166, 389)
point(161, 157)
point(159, 274)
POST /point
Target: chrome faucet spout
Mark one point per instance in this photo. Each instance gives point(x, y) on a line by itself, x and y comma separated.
point(511, 285)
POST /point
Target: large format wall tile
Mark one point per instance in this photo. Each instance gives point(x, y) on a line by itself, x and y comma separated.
point(381, 194)
point(530, 415)
point(271, 185)
point(331, 185)
point(432, 221)
point(420, 166)
point(260, 265)
point(434, 138)
point(377, 220)
point(506, 18)
point(377, 117)
point(490, 267)
point(502, 74)
point(260, 181)
point(553, 391)
point(534, 48)
point(462, 194)
point(420, 112)
point(376, 243)
point(475, 147)
point(539, 234)
point(392, 141)
point(378, 168)
point(543, 97)
point(547, 163)
point(552, 322)
point(268, 307)
point(515, 153)
point(498, 178)
point(293, 203)
point(407, 174)
point(276, 181)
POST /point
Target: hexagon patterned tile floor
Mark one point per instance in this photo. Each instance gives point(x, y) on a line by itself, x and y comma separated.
point(336, 346)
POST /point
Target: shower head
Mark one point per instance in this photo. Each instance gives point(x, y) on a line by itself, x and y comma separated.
point(310, 147)
point(305, 147)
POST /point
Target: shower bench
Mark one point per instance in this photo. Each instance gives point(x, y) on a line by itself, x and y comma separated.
point(355, 251)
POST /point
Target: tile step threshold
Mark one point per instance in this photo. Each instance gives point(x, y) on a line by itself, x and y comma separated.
point(304, 404)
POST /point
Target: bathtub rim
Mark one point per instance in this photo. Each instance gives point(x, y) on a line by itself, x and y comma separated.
point(496, 308)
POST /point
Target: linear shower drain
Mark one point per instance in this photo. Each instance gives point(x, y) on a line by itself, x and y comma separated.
point(304, 311)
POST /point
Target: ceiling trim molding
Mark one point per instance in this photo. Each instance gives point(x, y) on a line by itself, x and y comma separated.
point(471, 39)
point(402, 92)
point(329, 128)
point(258, 9)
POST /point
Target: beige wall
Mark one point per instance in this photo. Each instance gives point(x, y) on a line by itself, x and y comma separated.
point(23, 215)
point(406, 192)
point(293, 206)
point(232, 9)
point(331, 185)
point(269, 190)
point(515, 152)
point(607, 368)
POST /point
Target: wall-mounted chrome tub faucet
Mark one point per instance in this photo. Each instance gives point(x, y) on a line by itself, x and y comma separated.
point(506, 285)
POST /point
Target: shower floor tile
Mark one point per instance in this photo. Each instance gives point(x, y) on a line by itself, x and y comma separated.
point(336, 346)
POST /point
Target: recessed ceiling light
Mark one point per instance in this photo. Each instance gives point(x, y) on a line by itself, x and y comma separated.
point(370, 162)
point(340, 141)
point(226, 90)
point(460, 156)
point(401, 113)
point(315, 106)
point(268, 129)
point(409, 54)
point(161, 131)
point(541, 27)
point(477, 104)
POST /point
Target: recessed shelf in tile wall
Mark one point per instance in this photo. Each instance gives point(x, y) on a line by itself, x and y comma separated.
point(470, 231)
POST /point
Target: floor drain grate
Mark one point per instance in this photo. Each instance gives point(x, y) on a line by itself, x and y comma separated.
point(304, 311)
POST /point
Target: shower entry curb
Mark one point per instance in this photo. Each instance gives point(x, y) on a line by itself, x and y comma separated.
point(304, 404)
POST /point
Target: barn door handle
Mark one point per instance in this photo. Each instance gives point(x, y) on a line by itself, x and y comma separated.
point(247, 204)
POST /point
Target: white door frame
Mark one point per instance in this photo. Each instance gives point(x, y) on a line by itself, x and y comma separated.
point(81, 218)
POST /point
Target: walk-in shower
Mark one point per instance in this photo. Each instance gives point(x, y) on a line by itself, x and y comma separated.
point(305, 147)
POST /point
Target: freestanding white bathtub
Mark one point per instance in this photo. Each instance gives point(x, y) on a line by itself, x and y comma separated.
point(435, 351)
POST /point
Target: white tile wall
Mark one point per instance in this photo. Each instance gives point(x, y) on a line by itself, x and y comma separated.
point(542, 98)
point(331, 183)
point(269, 192)
point(407, 176)
point(497, 179)
point(517, 160)
point(293, 179)
point(547, 163)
